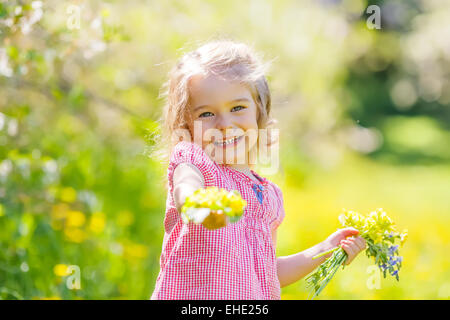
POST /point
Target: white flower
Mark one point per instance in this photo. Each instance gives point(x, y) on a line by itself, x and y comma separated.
point(198, 215)
point(5, 69)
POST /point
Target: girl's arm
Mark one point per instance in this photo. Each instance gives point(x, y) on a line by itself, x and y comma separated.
point(292, 268)
point(187, 178)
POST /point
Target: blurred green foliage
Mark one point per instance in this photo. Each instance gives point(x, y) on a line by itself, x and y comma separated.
point(363, 115)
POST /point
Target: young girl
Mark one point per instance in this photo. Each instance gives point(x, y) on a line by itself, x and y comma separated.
point(221, 87)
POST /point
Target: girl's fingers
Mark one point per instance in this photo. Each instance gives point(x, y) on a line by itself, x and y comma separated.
point(347, 246)
point(355, 246)
point(361, 243)
point(345, 243)
point(353, 250)
point(352, 246)
point(349, 249)
point(350, 231)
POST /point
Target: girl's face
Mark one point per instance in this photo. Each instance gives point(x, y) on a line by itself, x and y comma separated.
point(229, 108)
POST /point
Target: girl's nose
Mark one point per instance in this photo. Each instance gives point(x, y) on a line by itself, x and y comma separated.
point(223, 123)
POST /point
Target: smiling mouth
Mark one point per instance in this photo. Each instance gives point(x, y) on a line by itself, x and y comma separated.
point(229, 142)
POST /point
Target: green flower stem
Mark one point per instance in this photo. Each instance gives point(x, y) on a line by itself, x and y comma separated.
point(338, 259)
point(326, 252)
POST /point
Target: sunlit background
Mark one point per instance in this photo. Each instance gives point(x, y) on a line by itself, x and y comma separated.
point(363, 113)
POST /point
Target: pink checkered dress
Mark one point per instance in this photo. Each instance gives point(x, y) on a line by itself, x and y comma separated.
point(235, 262)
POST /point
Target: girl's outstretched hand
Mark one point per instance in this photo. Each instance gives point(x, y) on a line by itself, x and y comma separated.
point(215, 220)
point(349, 241)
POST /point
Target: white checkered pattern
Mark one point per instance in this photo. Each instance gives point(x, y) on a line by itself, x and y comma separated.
point(235, 262)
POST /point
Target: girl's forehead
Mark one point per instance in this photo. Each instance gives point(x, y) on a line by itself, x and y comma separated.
point(212, 89)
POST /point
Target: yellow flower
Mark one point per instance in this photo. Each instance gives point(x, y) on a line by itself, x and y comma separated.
point(68, 194)
point(75, 219)
point(58, 214)
point(352, 219)
point(382, 220)
point(403, 236)
point(125, 218)
point(75, 235)
point(61, 270)
point(216, 199)
point(136, 250)
point(97, 222)
point(59, 211)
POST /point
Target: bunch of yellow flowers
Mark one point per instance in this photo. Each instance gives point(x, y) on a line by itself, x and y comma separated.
point(377, 226)
point(378, 229)
point(213, 207)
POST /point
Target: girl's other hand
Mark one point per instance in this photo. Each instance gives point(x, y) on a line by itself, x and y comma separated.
point(349, 241)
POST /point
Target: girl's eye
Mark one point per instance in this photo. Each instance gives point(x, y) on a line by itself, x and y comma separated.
point(202, 115)
point(241, 107)
point(205, 114)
